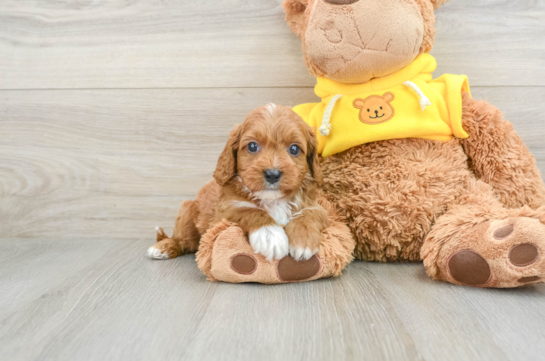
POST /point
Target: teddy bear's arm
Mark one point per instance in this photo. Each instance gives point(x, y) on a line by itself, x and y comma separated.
point(498, 156)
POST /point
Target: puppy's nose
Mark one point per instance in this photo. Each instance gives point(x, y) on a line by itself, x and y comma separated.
point(272, 175)
point(341, 2)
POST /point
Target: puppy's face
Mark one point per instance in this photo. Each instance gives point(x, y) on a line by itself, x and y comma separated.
point(272, 153)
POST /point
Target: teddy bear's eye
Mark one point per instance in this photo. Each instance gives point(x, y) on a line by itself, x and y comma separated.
point(380, 108)
point(368, 110)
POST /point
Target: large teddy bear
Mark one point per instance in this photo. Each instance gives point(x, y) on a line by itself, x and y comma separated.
point(417, 167)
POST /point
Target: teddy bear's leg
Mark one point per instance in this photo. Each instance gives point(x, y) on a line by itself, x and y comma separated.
point(480, 243)
point(226, 255)
point(499, 157)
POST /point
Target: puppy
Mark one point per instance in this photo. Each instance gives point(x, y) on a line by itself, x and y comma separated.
point(266, 181)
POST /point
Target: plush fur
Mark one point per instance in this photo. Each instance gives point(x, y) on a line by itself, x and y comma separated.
point(277, 217)
point(226, 240)
point(337, 45)
point(414, 199)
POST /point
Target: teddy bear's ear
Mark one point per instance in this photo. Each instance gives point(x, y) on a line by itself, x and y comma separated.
point(358, 103)
point(295, 15)
point(388, 97)
point(437, 3)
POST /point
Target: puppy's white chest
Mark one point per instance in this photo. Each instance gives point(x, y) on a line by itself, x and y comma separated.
point(280, 211)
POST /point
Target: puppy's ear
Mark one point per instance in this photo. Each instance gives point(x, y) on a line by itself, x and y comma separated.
point(313, 159)
point(227, 162)
point(295, 15)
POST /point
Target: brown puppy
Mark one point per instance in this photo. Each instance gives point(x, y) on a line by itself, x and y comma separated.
point(266, 181)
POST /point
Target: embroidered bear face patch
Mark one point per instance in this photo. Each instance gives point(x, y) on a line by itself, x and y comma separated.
point(375, 109)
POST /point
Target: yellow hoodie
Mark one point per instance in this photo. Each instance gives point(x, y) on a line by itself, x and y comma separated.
point(406, 104)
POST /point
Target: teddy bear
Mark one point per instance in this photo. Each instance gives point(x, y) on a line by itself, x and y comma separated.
point(379, 109)
point(418, 169)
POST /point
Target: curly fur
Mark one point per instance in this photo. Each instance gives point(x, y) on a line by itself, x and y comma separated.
point(239, 204)
point(414, 199)
point(204, 254)
point(392, 192)
point(226, 240)
point(515, 178)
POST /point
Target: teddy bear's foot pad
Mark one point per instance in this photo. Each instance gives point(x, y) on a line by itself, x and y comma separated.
point(290, 270)
point(523, 254)
point(244, 264)
point(226, 255)
point(511, 255)
point(469, 268)
point(287, 269)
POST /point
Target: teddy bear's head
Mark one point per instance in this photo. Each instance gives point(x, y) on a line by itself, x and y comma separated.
point(375, 109)
point(354, 41)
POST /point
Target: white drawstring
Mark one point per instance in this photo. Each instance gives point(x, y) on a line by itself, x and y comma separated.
point(326, 127)
point(424, 100)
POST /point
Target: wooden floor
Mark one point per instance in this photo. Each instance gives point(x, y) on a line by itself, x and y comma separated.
point(99, 299)
point(113, 112)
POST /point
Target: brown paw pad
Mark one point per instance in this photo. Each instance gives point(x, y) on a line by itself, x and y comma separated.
point(243, 263)
point(523, 254)
point(290, 270)
point(504, 232)
point(529, 279)
point(469, 268)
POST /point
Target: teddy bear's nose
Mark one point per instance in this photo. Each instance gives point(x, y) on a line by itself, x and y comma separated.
point(341, 2)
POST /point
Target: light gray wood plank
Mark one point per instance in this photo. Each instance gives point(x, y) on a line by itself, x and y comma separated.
point(117, 163)
point(450, 322)
point(106, 160)
point(336, 319)
point(235, 43)
point(30, 269)
point(494, 42)
point(122, 306)
point(79, 168)
point(119, 306)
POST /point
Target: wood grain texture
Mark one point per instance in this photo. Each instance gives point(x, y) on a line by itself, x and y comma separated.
point(235, 43)
point(118, 305)
point(117, 163)
point(113, 112)
point(464, 323)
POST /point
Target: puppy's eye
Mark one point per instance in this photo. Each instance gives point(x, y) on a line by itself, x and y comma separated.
point(295, 150)
point(253, 147)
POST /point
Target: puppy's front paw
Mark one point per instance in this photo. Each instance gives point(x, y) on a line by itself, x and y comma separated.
point(302, 254)
point(271, 242)
point(303, 243)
